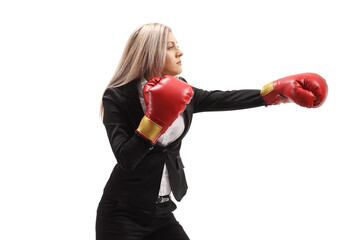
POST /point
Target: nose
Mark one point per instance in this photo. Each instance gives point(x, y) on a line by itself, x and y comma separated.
point(179, 53)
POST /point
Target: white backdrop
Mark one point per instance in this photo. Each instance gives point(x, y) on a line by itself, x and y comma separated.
point(282, 172)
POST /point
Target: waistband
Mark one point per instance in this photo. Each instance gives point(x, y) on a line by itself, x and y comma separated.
point(163, 199)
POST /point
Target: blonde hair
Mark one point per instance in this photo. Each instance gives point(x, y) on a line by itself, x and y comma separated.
point(144, 55)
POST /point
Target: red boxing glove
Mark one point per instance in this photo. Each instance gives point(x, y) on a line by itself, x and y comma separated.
point(306, 89)
point(165, 99)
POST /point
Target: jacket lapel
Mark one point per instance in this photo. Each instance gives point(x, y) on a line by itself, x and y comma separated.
point(187, 118)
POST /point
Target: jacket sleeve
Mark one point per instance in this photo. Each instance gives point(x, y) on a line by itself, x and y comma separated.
point(128, 146)
point(226, 100)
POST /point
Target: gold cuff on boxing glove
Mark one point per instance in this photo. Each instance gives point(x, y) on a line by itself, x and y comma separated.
point(148, 128)
point(267, 89)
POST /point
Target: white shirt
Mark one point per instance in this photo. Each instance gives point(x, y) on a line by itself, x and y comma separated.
point(171, 134)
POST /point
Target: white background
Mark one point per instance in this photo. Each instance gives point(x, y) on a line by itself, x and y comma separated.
point(282, 172)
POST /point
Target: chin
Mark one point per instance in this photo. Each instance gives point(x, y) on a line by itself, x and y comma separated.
point(178, 72)
point(173, 73)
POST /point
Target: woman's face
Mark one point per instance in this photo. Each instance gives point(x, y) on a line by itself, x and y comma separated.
point(173, 54)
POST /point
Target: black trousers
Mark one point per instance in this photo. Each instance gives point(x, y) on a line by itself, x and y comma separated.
point(115, 221)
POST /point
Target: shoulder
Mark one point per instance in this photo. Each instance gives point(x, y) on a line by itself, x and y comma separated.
point(126, 91)
point(196, 90)
point(181, 78)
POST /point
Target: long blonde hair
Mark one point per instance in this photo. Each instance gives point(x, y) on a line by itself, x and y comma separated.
point(144, 55)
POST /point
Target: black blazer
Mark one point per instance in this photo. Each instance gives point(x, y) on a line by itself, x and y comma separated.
point(135, 179)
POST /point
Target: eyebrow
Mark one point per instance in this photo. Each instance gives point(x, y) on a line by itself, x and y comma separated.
point(172, 42)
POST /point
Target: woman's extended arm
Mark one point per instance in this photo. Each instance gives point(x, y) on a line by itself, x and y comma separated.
point(305, 89)
point(226, 100)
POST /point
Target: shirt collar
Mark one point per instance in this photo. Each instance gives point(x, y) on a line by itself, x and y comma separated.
point(141, 85)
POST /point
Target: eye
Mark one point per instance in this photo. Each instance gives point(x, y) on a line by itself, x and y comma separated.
point(172, 47)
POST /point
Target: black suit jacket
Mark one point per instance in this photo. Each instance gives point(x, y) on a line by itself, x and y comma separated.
point(135, 179)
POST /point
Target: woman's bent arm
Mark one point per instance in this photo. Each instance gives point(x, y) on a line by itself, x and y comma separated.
point(128, 146)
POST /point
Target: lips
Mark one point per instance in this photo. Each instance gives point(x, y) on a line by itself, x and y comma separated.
point(179, 62)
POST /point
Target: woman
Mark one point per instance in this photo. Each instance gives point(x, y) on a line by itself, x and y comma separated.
point(147, 112)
